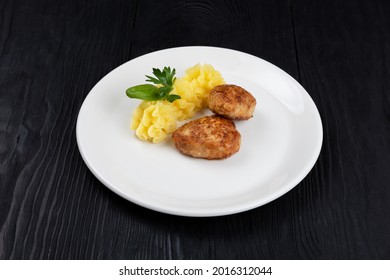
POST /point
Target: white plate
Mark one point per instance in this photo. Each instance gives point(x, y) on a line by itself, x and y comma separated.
point(280, 144)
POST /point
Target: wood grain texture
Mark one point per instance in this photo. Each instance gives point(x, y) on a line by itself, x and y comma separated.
point(53, 52)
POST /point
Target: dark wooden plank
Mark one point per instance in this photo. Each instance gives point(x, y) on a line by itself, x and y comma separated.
point(52, 206)
point(343, 56)
point(51, 54)
point(256, 27)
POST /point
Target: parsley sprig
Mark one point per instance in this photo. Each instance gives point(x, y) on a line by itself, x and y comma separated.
point(164, 79)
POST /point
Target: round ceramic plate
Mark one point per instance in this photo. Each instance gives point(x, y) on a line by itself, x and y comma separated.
point(279, 145)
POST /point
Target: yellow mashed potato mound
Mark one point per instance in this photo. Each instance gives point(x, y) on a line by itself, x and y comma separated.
point(155, 120)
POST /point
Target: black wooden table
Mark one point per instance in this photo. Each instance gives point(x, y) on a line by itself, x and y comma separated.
point(53, 52)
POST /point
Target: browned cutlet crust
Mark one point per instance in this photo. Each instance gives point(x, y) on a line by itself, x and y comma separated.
point(232, 102)
point(211, 137)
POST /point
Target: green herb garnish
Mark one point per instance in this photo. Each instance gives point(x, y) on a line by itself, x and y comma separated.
point(148, 92)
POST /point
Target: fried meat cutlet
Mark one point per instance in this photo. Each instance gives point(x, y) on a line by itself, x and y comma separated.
point(232, 102)
point(211, 137)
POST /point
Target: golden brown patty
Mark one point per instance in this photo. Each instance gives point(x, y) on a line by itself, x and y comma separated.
point(210, 137)
point(232, 102)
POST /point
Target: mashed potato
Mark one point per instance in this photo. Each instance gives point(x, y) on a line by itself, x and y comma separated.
point(154, 120)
